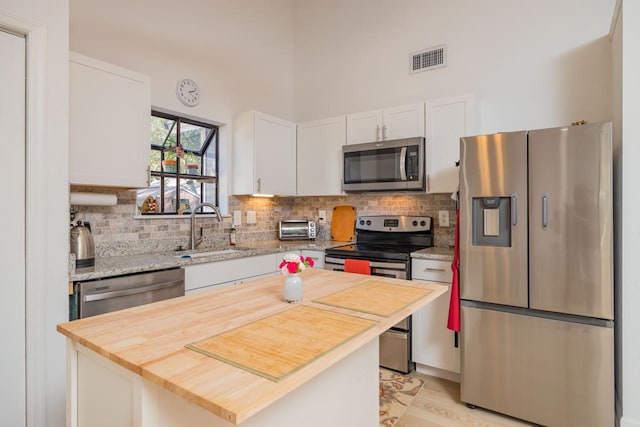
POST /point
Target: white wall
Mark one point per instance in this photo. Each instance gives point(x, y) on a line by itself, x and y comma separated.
point(530, 64)
point(240, 52)
point(47, 280)
point(626, 42)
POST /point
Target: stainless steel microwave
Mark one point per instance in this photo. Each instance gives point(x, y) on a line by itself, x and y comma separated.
point(395, 165)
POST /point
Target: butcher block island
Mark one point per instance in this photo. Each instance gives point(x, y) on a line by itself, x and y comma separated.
point(240, 355)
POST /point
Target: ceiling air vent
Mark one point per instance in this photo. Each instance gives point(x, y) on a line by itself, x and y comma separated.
point(428, 59)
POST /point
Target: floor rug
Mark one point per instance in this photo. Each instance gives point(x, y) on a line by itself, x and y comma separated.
point(396, 394)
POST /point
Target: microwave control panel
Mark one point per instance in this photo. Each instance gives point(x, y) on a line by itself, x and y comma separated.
point(413, 168)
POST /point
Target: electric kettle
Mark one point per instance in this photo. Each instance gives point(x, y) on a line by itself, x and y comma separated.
point(82, 244)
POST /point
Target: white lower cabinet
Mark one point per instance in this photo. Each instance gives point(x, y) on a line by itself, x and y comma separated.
point(316, 256)
point(433, 345)
point(229, 272)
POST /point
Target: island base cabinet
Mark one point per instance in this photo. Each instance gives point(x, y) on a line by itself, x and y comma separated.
point(101, 393)
point(104, 394)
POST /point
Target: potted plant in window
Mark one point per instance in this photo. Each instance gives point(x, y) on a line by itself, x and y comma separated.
point(170, 164)
point(191, 163)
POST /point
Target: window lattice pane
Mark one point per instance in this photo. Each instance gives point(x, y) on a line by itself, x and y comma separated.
point(161, 130)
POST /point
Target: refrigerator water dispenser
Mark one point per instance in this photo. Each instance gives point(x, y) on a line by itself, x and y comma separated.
point(491, 221)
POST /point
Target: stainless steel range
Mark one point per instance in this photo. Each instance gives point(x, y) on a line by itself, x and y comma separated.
point(387, 241)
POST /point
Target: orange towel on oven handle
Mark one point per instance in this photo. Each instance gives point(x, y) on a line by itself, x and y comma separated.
point(360, 266)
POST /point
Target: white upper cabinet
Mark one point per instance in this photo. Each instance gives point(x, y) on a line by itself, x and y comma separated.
point(404, 121)
point(264, 155)
point(364, 127)
point(320, 156)
point(109, 130)
point(447, 120)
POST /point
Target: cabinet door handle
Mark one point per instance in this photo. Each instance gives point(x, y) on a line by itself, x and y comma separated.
point(377, 133)
point(384, 132)
point(434, 269)
point(258, 181)
point(428, 184)
point(545, 210)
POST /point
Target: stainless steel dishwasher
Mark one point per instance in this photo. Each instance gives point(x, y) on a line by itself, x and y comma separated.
point(117, 293)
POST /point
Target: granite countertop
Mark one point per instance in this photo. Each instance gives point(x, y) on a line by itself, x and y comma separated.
point(438, 254)
point(120, 265)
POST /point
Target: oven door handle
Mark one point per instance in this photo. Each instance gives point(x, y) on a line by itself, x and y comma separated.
point(388, 265)
point(372, 264)
point(397, 274)
point(131, 291)
point(403, 163)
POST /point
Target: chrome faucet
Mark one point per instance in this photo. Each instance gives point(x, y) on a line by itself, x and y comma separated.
point(194, 242)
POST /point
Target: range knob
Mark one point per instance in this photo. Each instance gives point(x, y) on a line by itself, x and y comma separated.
point(415, 223)
point(368, 222)
point(362, 222)
point(423, 223)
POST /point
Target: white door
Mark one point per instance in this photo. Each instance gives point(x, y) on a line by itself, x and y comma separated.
point(12, 250)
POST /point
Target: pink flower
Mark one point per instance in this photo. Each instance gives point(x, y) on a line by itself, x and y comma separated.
point(293, 264)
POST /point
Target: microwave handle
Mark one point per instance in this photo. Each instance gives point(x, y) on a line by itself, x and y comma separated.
point(403, 163)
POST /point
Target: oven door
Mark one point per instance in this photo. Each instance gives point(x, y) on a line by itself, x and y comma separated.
point(395, 343)
point(394, 269)
point(385, 165)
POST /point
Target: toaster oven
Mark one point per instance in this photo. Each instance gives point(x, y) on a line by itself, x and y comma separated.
point(297, 229)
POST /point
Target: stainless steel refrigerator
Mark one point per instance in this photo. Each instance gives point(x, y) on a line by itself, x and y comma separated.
point(536, 274)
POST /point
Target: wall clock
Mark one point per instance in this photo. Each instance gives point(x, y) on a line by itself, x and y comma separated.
point(188, 92)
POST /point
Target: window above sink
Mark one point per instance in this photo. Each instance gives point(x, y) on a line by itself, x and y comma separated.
point(183, 166)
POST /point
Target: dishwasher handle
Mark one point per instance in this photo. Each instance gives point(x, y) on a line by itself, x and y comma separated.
point(131, 291)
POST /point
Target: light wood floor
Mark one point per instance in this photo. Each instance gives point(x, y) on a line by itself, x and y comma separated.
point(438, 405)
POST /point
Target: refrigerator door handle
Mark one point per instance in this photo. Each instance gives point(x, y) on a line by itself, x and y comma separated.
point(545, 210)
point(514, 208)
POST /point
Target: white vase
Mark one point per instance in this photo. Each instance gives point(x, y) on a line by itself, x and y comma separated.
point(293, 288)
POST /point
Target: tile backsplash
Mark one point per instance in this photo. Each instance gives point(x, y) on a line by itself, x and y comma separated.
point(116, 232)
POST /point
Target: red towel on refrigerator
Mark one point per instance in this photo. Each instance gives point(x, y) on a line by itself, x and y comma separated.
point(454, 303)
point(357, 266)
